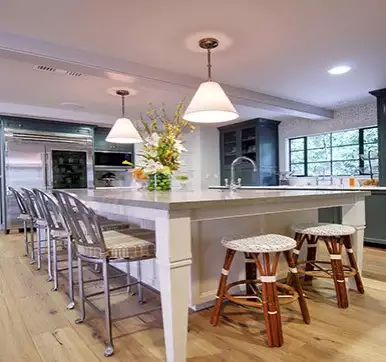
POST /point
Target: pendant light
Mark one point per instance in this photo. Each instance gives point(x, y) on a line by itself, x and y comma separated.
point(210, 104)
point(123, 130)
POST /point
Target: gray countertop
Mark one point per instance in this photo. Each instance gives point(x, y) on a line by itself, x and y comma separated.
point(176, 199)
point(308, 187)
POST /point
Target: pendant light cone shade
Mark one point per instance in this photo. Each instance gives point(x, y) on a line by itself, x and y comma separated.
point(123, 131)
point(210, 104)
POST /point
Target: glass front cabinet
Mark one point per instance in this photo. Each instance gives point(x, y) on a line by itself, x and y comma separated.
point(256, 139)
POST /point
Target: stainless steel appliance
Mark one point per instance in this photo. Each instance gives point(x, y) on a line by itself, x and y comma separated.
point(109, 163)
point(44, 160)
point(112, 159)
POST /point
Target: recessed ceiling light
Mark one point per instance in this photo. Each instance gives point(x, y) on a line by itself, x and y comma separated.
point(341, 69)
point(120, 77)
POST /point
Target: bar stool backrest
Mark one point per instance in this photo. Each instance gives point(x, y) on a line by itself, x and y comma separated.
point(81, 219)
point(50, 208)
point(33, 206)
point(21, 202)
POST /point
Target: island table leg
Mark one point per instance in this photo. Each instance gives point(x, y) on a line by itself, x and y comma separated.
point(174, 258)
point(354, 215)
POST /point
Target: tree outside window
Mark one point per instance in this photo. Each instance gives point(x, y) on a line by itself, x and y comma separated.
point(343, 153)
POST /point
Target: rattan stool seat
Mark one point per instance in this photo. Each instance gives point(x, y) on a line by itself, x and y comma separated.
point(323, 229)
point(260, 244)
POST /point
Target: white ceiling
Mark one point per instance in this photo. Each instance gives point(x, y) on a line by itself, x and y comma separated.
point(281, 48)
point(19, 82)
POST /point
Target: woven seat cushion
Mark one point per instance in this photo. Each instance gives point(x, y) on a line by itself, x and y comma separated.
point(24, 217)
point(261, 244)
point(59, 233)
point(41, 223)
point(107, 224)
point(123, 244)
point(323, 229)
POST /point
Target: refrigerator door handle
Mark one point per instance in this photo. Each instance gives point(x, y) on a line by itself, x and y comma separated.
point(44, 167)
point(48, 170)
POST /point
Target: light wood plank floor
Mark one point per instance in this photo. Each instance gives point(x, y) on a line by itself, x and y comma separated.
point(36, 326)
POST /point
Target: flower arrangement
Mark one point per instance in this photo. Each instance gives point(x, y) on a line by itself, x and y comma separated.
point(163, 144)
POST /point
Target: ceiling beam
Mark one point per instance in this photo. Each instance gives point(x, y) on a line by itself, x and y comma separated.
point(35, 51)
point(24, 110)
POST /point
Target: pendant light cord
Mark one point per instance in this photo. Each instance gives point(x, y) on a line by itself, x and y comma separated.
point(209, 65)
point(123, 106)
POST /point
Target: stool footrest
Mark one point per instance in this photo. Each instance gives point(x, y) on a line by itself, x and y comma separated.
point(288, 298)
point(321, 272)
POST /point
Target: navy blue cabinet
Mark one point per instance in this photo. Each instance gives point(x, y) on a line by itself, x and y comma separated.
point(256, 139)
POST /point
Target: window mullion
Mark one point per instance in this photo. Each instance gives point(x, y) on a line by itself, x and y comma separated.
point(331, 154)
point(305, 156)
point(361, 152)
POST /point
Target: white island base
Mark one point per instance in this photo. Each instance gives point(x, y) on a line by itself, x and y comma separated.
point(189, 227)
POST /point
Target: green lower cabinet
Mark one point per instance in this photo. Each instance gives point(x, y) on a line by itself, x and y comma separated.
point(332, 215)
point(376, 218)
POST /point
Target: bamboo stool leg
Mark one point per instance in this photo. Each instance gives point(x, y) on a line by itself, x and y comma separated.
point(271, 305)
point(311, 255)
point(300, 238)
point(298, 287)
point(250, 273)
point(353, 263)
point(338, 272)
point(221, 288)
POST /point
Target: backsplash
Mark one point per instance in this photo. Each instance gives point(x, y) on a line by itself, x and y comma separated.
point(122, 178)
point(311, 181)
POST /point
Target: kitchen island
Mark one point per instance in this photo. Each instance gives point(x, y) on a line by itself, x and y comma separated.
point(375, 206)
point(190, 225)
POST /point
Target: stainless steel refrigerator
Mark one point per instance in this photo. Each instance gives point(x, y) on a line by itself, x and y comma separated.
point(44, 160)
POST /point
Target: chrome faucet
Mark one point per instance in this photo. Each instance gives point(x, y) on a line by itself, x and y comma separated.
point(323, 178)
point(233, 185)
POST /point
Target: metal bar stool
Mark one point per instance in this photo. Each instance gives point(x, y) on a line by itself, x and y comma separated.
point(100, 248)
point(25, 216)
point(38, 221)
point(265, 251)
point(57, 233)
point(334, 236)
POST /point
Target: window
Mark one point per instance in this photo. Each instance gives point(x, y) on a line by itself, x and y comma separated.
point(343, 153)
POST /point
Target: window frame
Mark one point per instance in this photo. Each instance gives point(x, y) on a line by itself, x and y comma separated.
point(306, 150)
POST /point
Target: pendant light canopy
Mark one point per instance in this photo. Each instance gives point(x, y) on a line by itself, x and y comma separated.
point(210, 104)
point(123, 130)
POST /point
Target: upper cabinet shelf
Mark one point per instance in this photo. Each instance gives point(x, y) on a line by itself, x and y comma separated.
point(256, 139)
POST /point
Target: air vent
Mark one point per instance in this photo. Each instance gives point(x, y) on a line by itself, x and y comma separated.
point(48, 69)
point(73, 74)
point(44, 68)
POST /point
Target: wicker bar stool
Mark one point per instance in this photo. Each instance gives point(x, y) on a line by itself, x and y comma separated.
point(101, 248)
point(265, 250)
point(334, 236)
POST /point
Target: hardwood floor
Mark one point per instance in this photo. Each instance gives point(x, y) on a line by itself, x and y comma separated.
point(36, 326)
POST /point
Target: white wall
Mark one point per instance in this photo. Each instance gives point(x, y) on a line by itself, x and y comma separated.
point(202, 161)
point(210, 155)
point(345, 118)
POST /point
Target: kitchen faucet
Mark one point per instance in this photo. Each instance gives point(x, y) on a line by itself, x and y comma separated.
point(233, 185)
point(323, 178)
